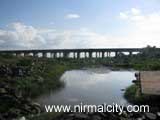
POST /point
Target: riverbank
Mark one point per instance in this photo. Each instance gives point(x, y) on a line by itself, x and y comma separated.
point(43, 74)
point(28, 78)
point(134, 96)
point(34, 76)
point(23, 79)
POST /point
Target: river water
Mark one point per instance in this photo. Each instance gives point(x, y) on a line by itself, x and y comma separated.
point(90, 86)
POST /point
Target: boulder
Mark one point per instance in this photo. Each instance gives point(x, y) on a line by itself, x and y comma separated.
point(151, 116)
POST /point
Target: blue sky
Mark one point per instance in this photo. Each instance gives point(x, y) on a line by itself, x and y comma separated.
point(94, 13)
point(97, 21)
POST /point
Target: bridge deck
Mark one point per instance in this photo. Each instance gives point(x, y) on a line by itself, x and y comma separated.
point(77, 50)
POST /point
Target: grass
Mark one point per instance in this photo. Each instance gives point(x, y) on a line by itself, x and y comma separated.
point(133, 95)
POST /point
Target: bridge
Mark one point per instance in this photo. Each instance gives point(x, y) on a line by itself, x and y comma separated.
point(73, 53)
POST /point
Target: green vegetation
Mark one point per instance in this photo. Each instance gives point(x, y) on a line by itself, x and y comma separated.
point(42, 74)
point(148, 59)
point(133, 95)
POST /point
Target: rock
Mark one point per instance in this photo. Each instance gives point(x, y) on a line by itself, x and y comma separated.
point(139, 118)
point(137, 115)
point(158, 114)
point(103, 114)
point(22, 118)
point(113, 117)
point(124, 114)
point(143, 117)
point(96, 117)
point(122, 118)
point(71, 115)
point(81, 116)
point(151, 116)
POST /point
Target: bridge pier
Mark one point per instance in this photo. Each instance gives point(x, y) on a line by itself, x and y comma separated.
point(65, 55)
point(26, 54)
point(73, 55)
point(18, 54)
point(78, 55)
point(51, 55)
point(116, 54)
point(109, 54)
point(130, 53)
point(106, 54)
point(86, 55)
point(60, 55)
point(44, 54)
point(35, 54)
point(90, 54)
point(96, 54)
point(102, 54)
point(55, 55)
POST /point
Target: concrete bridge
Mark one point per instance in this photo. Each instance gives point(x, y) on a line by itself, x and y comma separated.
point(73, 53)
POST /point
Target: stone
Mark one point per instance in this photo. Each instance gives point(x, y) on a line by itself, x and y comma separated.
point(139, 118)
point(103, 114)
point(71, 114)
point(137, 115)
point(151, 116)
point(81, 116)
point(113, 117)
point(22, 118)
point(124, 114)
point(96, 117)
point(158, 114)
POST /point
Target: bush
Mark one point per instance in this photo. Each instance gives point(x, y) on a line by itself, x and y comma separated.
point(24, 62)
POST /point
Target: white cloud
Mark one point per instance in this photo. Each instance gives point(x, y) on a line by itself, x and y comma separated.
point(133, 14)
point(142, 29)
point(21, 36)
point(135, 11)
point(123, 15)
point(72, 16)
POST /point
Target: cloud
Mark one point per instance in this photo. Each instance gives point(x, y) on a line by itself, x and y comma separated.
point(72, 16)
point(21, 36)
point(139, 30)
point(133, 13)
point(123, 15)
point(144, 28)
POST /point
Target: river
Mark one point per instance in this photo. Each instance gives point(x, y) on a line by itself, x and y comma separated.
point(90, 86)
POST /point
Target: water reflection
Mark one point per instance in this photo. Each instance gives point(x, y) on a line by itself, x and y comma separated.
point(91, 86)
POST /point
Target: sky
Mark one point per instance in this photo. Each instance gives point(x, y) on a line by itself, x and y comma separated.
point(52, 24)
